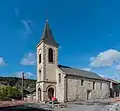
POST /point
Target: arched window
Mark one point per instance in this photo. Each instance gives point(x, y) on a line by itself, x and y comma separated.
point(59, 78)
point(39, 58)
point(39, 94)
point(50, 54)
point(40, 75)
point(93, 85)
point(82, 82)
point(101, 86)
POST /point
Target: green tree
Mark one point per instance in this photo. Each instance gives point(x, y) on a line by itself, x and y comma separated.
point(9, 92)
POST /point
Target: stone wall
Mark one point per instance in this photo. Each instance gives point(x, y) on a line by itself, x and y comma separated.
point(75, 91)
point(30, 98)
point(60, 86)
point(44, 90)
point(40, 49)
point(50, 68)
point(47, 77)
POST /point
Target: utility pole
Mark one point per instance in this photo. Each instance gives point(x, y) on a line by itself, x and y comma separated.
point(22, 86)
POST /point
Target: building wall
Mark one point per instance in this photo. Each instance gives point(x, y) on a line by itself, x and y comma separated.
point(50, 68)
point(69, 89)
point(30, 97)
point(40, 49)
point(77, 92)
point(44, 90)
point(60, 86)
point(47, 77)
point(114, 91)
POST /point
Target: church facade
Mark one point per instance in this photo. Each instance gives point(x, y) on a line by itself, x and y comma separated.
point(63, 82)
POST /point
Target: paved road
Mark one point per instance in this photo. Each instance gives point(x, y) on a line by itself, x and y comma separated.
point(21, 108)
point(70, 107)
point(85, 108)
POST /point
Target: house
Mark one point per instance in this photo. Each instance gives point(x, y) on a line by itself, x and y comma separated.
point(30, 91)
point(64, 82)
point(114, 88)
point(30, 94)
point(2, 85)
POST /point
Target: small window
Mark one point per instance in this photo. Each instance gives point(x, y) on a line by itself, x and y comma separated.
point(93, 85)
point(50, 55)
point(101, 86)
point(40, 74)
point(59, 78)
point(82, 82)
point(39, 58)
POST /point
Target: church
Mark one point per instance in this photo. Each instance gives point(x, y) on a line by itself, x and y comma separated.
point(64, 82)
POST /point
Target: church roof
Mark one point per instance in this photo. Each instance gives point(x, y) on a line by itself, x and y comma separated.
point(47, 36)
point(79, 72)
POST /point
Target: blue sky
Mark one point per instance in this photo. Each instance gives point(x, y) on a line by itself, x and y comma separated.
point(88, 32)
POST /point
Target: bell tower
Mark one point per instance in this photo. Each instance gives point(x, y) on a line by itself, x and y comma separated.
point(47, 62)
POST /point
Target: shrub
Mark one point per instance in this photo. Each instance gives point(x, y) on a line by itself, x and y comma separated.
point(8, 93)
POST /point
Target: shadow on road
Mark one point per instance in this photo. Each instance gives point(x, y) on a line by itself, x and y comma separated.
point(21, 108)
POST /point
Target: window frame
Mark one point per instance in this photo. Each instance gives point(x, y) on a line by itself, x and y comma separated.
point(40, 74)
point(59, 78)
point(94, 85)
point(82, 82)
point(101, 84)
point(50, 55)
point(40, 60)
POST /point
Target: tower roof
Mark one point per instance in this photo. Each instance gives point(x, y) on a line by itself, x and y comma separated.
point(47, 36)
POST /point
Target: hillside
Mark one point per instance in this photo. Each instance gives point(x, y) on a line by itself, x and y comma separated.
point(15, 81)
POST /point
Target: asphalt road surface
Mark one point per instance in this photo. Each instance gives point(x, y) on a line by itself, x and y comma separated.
point(70, 107)
point(87, 108)
point(21, 108)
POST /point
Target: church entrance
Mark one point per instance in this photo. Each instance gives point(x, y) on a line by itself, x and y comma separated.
point(88, 94)
point(39, 95)
point(50, 93)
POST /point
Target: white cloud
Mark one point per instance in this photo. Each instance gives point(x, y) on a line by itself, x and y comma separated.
point(87, 69)
point(26, 23)
point(29, 74)
point(27, 27)
point(105, 59)
point(29, 59)
point(26, 74)
point(118, 67)
point(2, 62)
point(110, 60)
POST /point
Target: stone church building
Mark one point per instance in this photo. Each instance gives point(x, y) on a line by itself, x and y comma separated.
point(64, 82)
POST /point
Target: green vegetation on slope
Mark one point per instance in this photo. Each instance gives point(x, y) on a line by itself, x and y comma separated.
point(17, 82)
